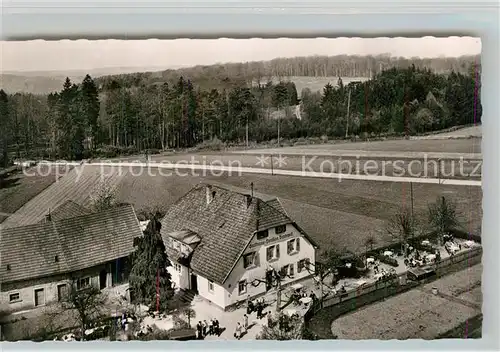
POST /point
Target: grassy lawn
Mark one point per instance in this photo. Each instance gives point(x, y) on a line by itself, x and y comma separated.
point(472, 145)
point(413, 314)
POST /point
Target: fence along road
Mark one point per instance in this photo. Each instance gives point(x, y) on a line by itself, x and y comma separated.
point(255, 170)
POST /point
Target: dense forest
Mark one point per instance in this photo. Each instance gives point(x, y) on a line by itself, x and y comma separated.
point(229, 75)
point(130, 113)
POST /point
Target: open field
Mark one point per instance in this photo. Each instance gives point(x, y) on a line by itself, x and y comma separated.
point(414, 314)
point(465, 284)
point(329, 165)
point(18, 188)
point(471, 145)
point(314, 83)
point(340, 214)
point(467, 132)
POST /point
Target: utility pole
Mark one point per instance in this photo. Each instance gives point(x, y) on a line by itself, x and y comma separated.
point(158, 290)
point(278, 295)
point(347, 118)
point(411, 195)
point(272, 168)
point(439, 170)
point(279, 128)
point(247, 132)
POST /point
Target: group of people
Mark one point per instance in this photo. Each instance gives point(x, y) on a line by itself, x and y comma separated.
point(121, 321)
point(240, 330)
point(297, 295)
point(204, 328)
point(258, 307)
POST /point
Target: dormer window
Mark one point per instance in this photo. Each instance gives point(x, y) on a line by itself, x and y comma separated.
point(8, 267)
point(280, 229)
point(262, 234)
point(56, 259)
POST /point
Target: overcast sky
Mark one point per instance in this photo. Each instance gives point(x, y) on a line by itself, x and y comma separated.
point(39, 55)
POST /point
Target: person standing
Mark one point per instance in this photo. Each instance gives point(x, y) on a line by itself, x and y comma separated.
point(211, 327)
point(205, 325)
point(245, 322)
point(199, 330)
point(237, 331)
point(259, 310)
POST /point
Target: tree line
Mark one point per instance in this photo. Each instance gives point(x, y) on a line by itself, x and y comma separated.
point(86, 119)
point(229, 75)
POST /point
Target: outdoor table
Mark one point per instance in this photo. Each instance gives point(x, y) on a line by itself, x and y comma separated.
point(291, 312)
point(348, 265)
point(425, 242)
point(388, 253)
point(306, 300)
point(469, 243)
point(378, 276)
point(370, 260)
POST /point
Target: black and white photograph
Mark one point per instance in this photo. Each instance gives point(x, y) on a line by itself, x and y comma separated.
point(241, 189)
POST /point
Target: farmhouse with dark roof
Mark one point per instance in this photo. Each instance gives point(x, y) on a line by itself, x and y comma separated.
point(224, 244)
point(38, 261)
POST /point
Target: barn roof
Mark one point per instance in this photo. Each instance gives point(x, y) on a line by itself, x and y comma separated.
point(67, 245)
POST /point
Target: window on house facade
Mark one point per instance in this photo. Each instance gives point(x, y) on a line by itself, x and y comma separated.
point(284, 271)
point(242, 287)
point(177, 267)
point(262, 234)
point(62, 292)
point(280, 229)
point(291, 270)
point(211, 286)
point(273, 252)
point(14, 297)
point(39, 297)
point(303, 265)
point(293, 246)
point(83, 283)
point(250, 260)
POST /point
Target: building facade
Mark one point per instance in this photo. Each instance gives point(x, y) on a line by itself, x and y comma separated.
point(272, 243)
point(40, 261)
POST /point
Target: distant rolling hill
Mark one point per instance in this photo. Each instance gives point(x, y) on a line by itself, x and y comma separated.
point(45, 82)
point(33, 84)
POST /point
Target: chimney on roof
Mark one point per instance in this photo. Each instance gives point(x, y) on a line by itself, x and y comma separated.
point(48, 217)
point(210, 194)
point(248, 199)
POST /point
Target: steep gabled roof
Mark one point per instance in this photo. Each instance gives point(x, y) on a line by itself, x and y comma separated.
point(225, 225)
point(67, 210)
point(276, 204)
point(80, 242)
